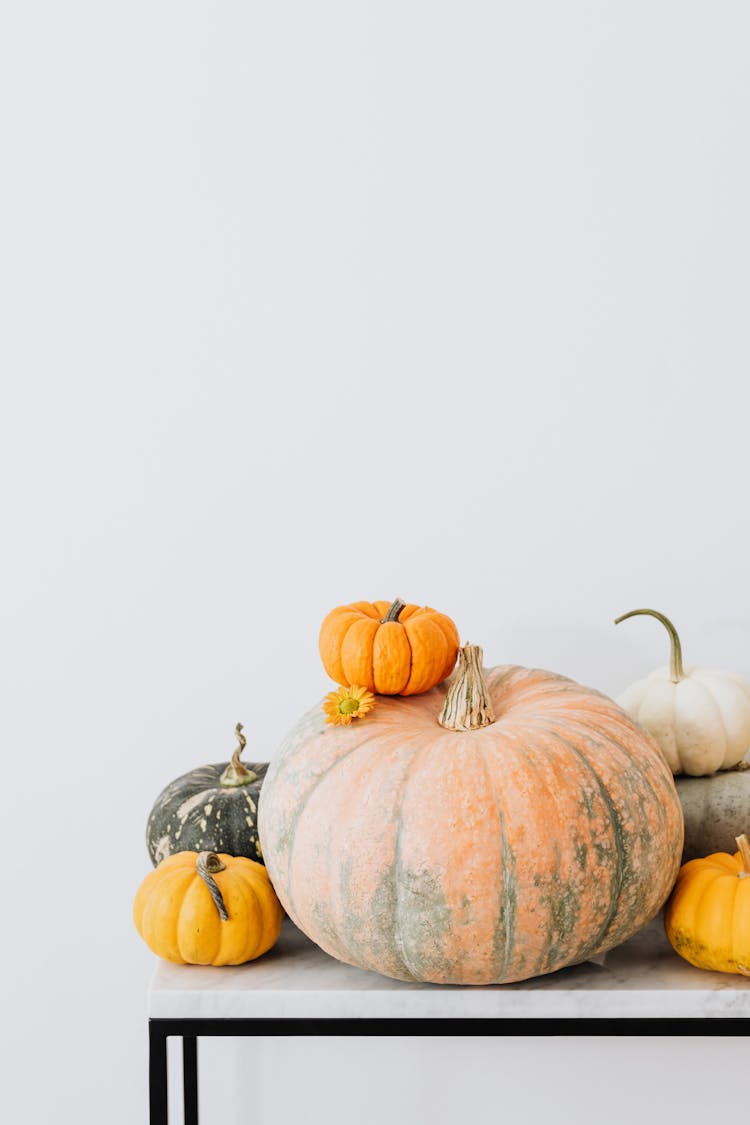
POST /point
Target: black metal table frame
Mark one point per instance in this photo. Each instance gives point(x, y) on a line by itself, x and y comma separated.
point(190, 1030)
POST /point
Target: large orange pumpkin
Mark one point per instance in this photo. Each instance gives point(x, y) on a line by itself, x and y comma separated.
point(536, 827)
point(395, 649)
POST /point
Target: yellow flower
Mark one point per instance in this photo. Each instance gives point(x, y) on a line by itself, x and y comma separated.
point(347, 703)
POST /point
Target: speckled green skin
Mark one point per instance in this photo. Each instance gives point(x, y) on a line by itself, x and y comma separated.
point(716, 809)
point(196, 813)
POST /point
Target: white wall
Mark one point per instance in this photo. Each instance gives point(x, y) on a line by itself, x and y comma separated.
point(307, 302)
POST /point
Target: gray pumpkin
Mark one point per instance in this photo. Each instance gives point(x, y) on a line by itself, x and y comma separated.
point(716, 811)
point(210, 809)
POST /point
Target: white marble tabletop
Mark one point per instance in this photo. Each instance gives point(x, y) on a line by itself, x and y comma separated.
point(644, 978)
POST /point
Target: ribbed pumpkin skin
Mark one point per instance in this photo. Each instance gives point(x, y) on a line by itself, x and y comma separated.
point(195, 813)
point(177, 918)
point(403, 657)
point(473, 858)
point(707, 918)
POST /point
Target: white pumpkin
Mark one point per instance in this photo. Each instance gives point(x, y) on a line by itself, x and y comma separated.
point(700, 717)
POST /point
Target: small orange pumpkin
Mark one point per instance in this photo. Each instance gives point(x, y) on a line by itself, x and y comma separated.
point(207, 909)
point(707, 918)
point(395, 649)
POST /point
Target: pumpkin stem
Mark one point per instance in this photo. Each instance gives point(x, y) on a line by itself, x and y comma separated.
point(744, 845)
point(393, 611)
point(676, 670)
point(207, 864)
point(467, 705)
point(237, 773)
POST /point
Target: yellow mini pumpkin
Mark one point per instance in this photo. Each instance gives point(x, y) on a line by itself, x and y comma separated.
point(200, 908)
point(707, 918)
point(395, 649)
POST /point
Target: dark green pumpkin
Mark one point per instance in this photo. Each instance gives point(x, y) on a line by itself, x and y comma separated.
point(210, 809)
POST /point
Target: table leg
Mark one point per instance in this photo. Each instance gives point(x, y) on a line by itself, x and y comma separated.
point(190, 1078)
point(157, 1076)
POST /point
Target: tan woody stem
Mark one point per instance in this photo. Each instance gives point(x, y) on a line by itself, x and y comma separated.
point(467, 705)
point(207, 865)
point(237, 773)
point(676, 670)
point(744, 845)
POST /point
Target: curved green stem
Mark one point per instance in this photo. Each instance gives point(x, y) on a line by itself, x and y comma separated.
point(393, 611)
point(237, 773)
point(207, 864)
point(676, 669)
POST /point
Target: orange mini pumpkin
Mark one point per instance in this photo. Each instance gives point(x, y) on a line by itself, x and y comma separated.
point(707, 918)
point(208, 909)
point(395, 649)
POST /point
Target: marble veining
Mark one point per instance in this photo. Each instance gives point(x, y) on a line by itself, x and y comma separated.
point(643, 978)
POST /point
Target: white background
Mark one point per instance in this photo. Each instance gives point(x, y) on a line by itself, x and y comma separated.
point(308, 302)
